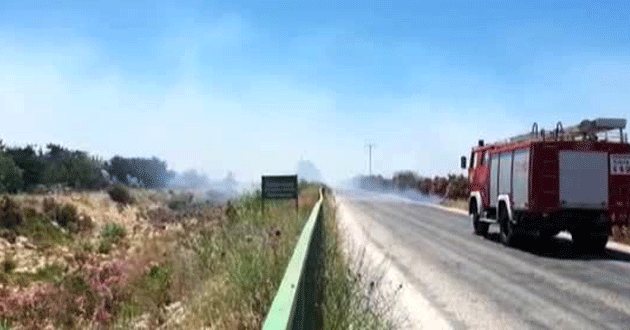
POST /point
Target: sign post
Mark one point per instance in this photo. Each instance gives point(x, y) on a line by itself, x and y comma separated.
point(279, 187)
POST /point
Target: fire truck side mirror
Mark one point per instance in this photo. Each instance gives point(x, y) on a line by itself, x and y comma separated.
point(463, 162)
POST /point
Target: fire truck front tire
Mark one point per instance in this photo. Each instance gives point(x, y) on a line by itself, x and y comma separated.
point(481, 228)
point(508, 233)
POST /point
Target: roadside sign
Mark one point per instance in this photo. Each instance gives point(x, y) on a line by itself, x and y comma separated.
point(279, 187)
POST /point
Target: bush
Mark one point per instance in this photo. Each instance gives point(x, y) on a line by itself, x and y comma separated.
point(121, 195)
point(8, 265)
point(30, 212)
point(231, 213)
point(66, 215)
point(157, 284)
point(43, 233)
point(10, 213)
point(110, 234)
point(9, 235)
point(49, 204)
point(176, 205)
point(113, 232)
point(105, 246)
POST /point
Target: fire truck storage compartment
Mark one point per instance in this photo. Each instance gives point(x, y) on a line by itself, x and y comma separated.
point(520, 181)
point(501, 176)
point(505, 173)
point(494, 179)
point(583, 179)
point(509, 174)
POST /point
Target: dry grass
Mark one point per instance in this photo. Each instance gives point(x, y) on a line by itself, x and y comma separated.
point(621, 234)
point(242, 264)
point(461, 204)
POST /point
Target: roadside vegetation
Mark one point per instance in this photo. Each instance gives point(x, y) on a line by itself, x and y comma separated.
point(81, 260)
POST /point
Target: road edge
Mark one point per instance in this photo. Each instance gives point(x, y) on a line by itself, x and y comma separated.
point(412, 300)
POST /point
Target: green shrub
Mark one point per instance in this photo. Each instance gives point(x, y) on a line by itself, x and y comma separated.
point(157, 284)
point(113, 232)
point(121, 195)
point(110, 233)
point(105, 246)
point(43, 232)
point(10, 213)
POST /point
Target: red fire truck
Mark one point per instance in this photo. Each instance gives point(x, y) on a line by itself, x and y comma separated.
point(575, 179)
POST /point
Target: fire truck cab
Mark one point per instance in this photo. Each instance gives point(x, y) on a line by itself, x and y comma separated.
point(575, 179)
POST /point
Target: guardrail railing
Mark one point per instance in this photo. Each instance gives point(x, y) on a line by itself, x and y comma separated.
point(294, 306)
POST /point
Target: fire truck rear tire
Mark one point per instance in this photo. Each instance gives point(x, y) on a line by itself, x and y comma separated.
point(548, 234)
point(589, 242)
point(508, 233)
point(481, 228)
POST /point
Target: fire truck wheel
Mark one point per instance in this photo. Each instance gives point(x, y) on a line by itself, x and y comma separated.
point(508, 234)
point(548, 234)
point(589, 242)
point(481, 228)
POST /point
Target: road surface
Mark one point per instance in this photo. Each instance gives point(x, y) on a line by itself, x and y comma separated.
point(477, 283)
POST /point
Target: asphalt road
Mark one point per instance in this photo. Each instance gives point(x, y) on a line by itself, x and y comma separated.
point(477, 283)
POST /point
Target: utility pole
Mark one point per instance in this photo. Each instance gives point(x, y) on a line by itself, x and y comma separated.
point(370, 146)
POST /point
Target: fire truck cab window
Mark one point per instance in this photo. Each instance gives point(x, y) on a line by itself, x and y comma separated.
point(482, 159)
point(472, 160)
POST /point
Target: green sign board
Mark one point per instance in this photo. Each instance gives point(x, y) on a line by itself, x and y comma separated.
point(279, 186)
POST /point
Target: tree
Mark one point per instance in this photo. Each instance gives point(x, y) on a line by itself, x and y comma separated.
point(405, 180)
point(439, 185)
point(30, 162)
point(425, 186)
point(74, 168)
point(10, 175)
point(152, 173)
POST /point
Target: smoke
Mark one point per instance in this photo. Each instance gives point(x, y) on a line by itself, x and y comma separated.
point(204, 189)
point(384, 188)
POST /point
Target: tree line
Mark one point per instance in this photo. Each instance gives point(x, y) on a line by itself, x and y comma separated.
point(28, 168)
point(452, 186)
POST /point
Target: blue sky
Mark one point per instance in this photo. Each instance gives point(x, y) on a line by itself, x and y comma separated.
point(253, 86)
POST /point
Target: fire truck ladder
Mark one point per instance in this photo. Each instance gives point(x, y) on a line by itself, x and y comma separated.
point(586, 130)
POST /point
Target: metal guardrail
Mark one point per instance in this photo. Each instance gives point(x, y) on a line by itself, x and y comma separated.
point(294, 306)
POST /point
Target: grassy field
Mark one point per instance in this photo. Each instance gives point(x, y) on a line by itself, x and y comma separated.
point(82, 261)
